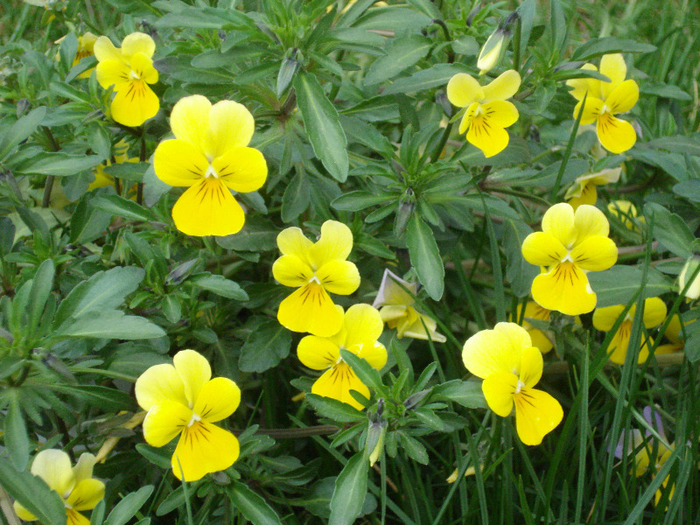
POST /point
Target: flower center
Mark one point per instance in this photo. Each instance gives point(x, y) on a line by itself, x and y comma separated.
point(314, 279)
point(567, 258)
point(519, 387)
point(605, 109)
point(134, 76)
point(211, 172)
point(193, 419)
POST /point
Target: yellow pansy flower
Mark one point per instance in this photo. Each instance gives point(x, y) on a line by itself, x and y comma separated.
point(510, 367)
point(397, 309)
point(583, 190)
point(210, 155)
point(539, 338)
point(129, 69)
point(76, 486)
point(86, 45)
point(102, 179)
point(605, 100)
point(183, 399)
point(488, 112)
point(604, 319)
point(315, 269)
point(626, 213)
point(569, 245)
point(361, 327)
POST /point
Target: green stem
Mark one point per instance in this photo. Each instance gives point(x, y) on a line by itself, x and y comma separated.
point(516, 45)
point(569, 148)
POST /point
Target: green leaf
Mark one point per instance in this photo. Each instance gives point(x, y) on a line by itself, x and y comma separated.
point(438, 75)
point(363, 132)
point(102, 397)
point(220, 285)
point(296, 197)
point(519, 272)
point(251, 505)
point(692, 343)
point(7, 235)
point(41, 289)
point(33, 493)
point(16, 439)
point(425, 256)
point(129, 171)
point(413, 448)
point(670, 230)
point(688, 189)
point(402, 53)
point(322, 125)
point(334, 409)
point(466, 393)
point(207, 18)
point(21, 130)
point(59, 164)
point(659, 89)
point(87, 223)
point(368, 375)
point(129, 506)
point(116, 205)
point(603, 46)
point(350, 489)
point(157, 456)
point(678, 144)
point(258, 235)
point(558, 28)
point(619, 284)
point(111, 324)
point(360, 200)
point(268, 343)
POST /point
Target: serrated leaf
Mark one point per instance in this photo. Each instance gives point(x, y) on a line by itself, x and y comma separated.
point(322, 125)
point(268, 343)
point(220, 285)
point(251, 505)
point(425, 256)
point(128, 506)
point(33, 493)
point(619, 284)
point(334, 409)
point(350, 489)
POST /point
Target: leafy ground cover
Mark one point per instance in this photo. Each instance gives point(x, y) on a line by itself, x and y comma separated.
point(293, 261)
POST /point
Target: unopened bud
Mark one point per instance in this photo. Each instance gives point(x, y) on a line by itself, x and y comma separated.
point(691, 270)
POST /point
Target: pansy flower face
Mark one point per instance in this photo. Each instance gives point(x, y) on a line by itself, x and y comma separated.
point(584, 189)
point(569, 245)
point(488, 111)
point(604, 100)
point(130, 70)
point(210, 155)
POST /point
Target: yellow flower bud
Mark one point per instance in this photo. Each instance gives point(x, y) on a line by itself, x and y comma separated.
point(690, 271)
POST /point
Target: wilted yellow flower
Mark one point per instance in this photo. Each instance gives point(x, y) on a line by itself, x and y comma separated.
point(76, 486)
point(510, 367)
point(569, 245)
point(361, 327)
point(315, 269)
point(689, 269)
point(583, 190)
point(604, 319)
point(488, 112)
point(210, 155)
point(183, 399)
point(397, 310)
point(605, 100)
point(129, 69)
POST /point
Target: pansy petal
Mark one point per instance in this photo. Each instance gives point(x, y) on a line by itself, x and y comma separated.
point(138, 43)
point(503, 87)
point(590, 221)
point(487, 136)
point(463, 90)
point(208, 208)
point(75, 518)
point(617, 136)
point(290, 270)
point(581, 86)
point(543, 249)
point(113, 73)
point(241, 169)
point(104, 49)
point(337, 382)
point(516, 335)
point(674, 330)
point(531, 366)
point(499, 389)
point(373, 352)
point(565, 289)
point(468, 117)
point(165, 421)
point(231, 126)
point(617, 350)
point(317, 353)
point(179, 163)
point(393, 312)
point(591, 111)
point(142, 67)
point(158, 384)
point(612, 66)
point(339, 277)
point(558, 220)
point(217, 399)
point(195, 371)
point(204, 448)
point(363, 323)
point(623, 97)
point(595, 253)
point(540, 340)
point(536, 414)
point(86, 494)
point(423, 327)
point(135, 104)
point(83, 468)
point(291, 241)
point(654, 312)
point(53, 466)
point(189, 121)
point(588, 194)
point(605, 318)
point(335, 243)
point(310, 309)
point(23, 513)
point(490, 351)
point(393, 291)
point(501, 113)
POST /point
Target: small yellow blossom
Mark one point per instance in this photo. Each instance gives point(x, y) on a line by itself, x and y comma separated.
point(604, 319)
point(583, 190)
point(76, 486)
point(510, 367)
point(674, 333)
point(398, 312)
point(487, 112)
point(102, 179)
point(539, 339)
point(626, 213)
point(315, 269)
point(569, 245)
point(361, 327)
point(129, 69)
point(86, 45)
point(210, 154)
point(606, 99)
point(689, 269)
point(183, 399)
